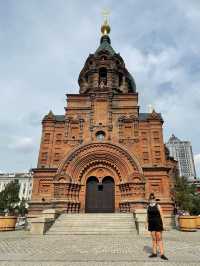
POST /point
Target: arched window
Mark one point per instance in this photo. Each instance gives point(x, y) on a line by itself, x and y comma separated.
point(104, 58)
point(102, 76)
point(100, 135)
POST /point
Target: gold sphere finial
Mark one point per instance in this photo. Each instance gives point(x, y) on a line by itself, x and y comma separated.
point(105, 28)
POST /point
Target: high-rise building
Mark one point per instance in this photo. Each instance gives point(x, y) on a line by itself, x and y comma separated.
point(181, 151)
point(103, 154)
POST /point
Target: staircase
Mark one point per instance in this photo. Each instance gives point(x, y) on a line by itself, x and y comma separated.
point(93, 223)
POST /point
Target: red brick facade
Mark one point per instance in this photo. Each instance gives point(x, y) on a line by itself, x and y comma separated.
point(102, 133)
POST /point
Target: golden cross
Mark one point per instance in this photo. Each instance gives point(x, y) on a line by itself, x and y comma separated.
point(105, 13)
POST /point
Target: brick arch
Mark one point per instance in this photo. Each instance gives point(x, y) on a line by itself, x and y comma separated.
point(100, 169)
point(115, 156)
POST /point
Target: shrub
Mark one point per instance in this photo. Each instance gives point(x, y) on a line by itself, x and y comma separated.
point(186, 196)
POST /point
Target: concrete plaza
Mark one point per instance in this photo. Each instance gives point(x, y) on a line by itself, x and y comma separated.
point(19, 248)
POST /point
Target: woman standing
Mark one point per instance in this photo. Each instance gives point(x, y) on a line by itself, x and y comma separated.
point(155, 226)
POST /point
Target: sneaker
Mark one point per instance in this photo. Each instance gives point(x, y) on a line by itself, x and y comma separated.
point(163, 257)
point(153, 255)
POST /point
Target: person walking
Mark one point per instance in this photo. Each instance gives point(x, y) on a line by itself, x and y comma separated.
point(155, 226)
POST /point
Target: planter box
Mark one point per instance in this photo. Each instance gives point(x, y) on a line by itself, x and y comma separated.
point(7, 223)
point(198, 222)
point(187, 223)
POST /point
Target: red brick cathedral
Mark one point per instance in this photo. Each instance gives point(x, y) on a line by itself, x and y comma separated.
point(102, 155)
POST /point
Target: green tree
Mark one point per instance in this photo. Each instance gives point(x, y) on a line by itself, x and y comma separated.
point(9, 197)
point(186, 196)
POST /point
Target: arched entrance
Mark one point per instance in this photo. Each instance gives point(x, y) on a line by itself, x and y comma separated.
point(121, 169)
point(100, 197)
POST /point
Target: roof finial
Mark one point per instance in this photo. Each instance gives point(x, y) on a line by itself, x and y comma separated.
point(150, 108)
point(105, 28)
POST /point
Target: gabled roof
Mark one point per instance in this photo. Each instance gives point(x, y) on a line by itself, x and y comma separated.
point(51, 117)
point(60, 118)
point(146, 116)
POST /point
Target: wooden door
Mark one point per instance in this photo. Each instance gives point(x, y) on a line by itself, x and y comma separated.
point(100, 197)
point(91, 204)
point(108, 195)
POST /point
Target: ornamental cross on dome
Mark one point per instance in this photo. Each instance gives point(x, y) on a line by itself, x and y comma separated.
point(105, 28)
point(105, 13)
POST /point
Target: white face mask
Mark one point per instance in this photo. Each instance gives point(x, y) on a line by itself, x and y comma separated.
point(152, 201)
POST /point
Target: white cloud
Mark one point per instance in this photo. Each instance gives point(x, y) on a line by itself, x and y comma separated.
point(22, 144)
point(159, 44)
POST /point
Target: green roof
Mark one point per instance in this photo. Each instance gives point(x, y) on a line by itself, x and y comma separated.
point(105, 45)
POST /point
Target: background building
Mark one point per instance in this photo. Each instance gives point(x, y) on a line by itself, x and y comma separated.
point(182, 152)
point(24, 179)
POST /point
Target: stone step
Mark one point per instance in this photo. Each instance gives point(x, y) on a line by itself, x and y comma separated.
point(97, 214)
point(92, 233)
point(96, 227)
point(93, 228)
point(99, 219)
point(86, 215)
point(94, 223)
point(116, 230)
point(96, 218)
point(88, 223)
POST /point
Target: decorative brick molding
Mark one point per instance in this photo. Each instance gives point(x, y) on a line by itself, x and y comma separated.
point(116, 155)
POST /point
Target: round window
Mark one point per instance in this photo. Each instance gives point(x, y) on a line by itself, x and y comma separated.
point(100, 135)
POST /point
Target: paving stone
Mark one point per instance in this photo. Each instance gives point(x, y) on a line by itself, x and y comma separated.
point(21, 248)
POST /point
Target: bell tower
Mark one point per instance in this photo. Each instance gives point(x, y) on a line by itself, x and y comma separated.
point(105, 71)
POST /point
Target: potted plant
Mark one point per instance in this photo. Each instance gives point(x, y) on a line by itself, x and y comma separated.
point(196, 209)
point(9, 200)
point(188, 200)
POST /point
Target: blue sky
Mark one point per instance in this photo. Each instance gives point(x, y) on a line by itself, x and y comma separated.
point(44, 44)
